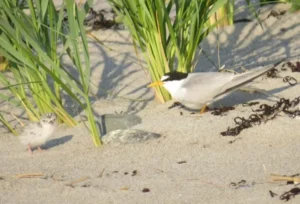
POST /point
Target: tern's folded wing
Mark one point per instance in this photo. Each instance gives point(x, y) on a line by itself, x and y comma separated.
point(242, 79)
point(205, 86)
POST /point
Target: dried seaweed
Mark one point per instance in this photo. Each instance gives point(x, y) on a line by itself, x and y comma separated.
point(241, 184)
point(263, 114)
point(290, 194)
point(291, 80)
point(272, 194)
point(273, 73)
point(221, 111)
point(176, 104)
point(294, 67)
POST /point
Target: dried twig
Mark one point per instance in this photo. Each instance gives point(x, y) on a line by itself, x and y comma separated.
point(29, 175)
point(71, 184)
point(101, 173)
point(276, 177)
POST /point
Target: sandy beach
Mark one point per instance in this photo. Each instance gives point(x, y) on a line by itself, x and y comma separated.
point(191, 162)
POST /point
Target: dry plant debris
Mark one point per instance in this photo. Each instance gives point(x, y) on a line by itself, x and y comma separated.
point(232, 141)
point(175, 104)
point(101, 173)
point(146, 190)
point(29, 175)
point(273, 73)
point(266, 112)
point(272, 194)
point(222, 110)
point(71, 184)
point(241, 184)
point(134, 173)
point(286, 196)
point(293, 178)
point(86, 185)
point(294, 67)
point(125, 188)
point(291, 80)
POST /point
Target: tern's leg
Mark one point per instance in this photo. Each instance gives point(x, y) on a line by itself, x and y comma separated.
point(203, 109)
point(40, 149)
point(29, 148)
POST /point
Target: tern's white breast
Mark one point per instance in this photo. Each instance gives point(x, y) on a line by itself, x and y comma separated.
point(174, 88)
point(36, 135)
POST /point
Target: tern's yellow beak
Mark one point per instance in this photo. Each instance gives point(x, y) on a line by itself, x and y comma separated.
point(156, 83)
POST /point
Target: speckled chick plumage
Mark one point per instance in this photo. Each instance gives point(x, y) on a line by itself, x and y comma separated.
point(37, 134)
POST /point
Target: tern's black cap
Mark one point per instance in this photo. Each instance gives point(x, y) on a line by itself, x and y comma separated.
point(175, 76)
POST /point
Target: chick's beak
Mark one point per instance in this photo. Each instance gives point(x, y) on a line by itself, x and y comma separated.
point(156, 83)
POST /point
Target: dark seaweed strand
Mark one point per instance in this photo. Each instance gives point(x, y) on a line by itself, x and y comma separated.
point(266, 112)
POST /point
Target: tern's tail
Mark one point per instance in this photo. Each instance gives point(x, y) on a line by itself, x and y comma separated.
point(242, 79)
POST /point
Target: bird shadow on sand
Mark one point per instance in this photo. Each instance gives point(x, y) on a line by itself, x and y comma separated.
point(57, 141)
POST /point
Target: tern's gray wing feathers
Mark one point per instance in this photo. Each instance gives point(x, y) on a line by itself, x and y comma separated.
point(202, 87)
point(194, 80)
point(242, 79)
